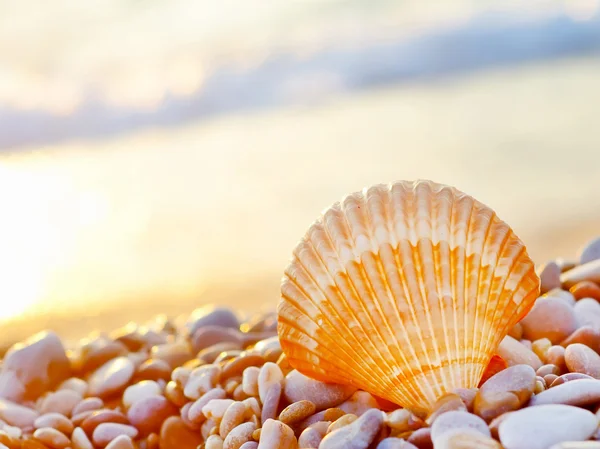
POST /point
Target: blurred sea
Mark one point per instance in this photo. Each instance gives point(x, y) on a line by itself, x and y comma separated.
point(148, 167)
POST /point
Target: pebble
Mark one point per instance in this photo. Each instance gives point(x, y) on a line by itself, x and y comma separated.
point(34, 366)
point(458, 420)
point(121, 442)
point(357, 435)
point(80, 440)
point(139, 391)
point(233, 417)
point(249, 445)
point(202, 379)
point(310, 438)
point(96, 418)
point(56, 421)
point(587, 311)
point(556, 356)
point(277, 435)
point(514, 353)
point(323, 395)
point(269, 374)
point(211, 315)
point(250, 380)
point(174, 434)
point(549, 318)
point(445, 403)
point(52, 437)
point(586, 289)
point(148, 413)
point(358, 403)
point(17, 415)
point(237, 365)
point(239, 436)
point(195, 414)
point(589, 271)
point(577, 445)
point(395, 443)
point(341, 422)
point(75, 384)
point(576, 392)
point(61, 401)
point(212, 352)
point(271, 403)
point(421, 438)
point(590, 251)
point(153, 369)
point(549, 275)
point(174, 354)
point(465, 439)
point(108, 431)
point(505, 391)
point(542, 426)
point(297, 412)
point(581, 359)
point(586, 335)
point(111, 377)
point(568, 378)
point(209, 335)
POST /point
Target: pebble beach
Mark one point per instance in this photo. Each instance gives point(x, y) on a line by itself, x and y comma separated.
point(213, 380)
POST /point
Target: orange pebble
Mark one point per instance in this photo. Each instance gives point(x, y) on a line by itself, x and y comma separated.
point(586, 289)
point(174, 434)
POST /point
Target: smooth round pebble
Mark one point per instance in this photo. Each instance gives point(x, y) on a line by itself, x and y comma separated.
point(148, 413)
point(297, 412)
point(581, 359)
point(239, 436)
point(505, 391)
point(587, 335)
point(577, 445)
point(549, 318)
point(121, 442)
point(395, 443)
point(589, 271)
point(56, 421)
point(458, 420)
point(586, 289)
point(61, 401)
point(515, 353)
point(577, 392)
point(276, 435)
point(542, 426)
point(358, 403)
point(587, 311)
point(51, 437)
point(16, 414)
point(299, 387)
point(549, 276)
point(211, 315)
point(357, 435)
point(590, 251)
point(108, 431)
point(465, 439)
point(174, 434)
point(139, 391)
point(111, 377)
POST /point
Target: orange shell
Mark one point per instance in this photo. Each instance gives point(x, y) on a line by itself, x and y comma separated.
point(404, 291)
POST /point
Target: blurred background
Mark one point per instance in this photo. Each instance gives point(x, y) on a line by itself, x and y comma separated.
point(156, 156)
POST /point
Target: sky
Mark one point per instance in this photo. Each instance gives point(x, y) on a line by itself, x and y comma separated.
point(152, 149)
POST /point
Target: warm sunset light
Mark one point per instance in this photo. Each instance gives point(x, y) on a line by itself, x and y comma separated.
point(326, 224)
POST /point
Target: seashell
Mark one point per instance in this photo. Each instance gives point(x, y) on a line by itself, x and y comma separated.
point(404, 291)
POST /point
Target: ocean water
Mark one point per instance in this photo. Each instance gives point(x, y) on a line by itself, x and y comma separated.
point(115, 209)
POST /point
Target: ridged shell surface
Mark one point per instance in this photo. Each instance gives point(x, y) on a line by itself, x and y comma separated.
point(404, 291)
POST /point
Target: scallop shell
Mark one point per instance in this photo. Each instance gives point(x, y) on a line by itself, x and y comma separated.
point(404, 291)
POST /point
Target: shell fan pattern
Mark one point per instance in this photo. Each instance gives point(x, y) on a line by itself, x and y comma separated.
point(405, 291)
